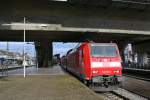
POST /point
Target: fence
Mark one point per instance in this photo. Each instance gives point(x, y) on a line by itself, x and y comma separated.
point(3, 68)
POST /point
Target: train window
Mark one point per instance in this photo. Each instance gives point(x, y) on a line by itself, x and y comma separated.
point(103, 51)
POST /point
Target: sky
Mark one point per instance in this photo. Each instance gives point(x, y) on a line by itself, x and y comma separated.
point(58, 47)
point(62, 48)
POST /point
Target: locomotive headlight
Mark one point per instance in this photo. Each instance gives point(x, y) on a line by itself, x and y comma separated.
point(115, 64)
point(95, 71)
point(116, 71)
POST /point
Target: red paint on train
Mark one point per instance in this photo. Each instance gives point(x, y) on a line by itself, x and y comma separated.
point(98, 64)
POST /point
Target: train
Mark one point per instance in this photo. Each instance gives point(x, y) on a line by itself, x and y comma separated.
point(63, 62)
point(98, 65)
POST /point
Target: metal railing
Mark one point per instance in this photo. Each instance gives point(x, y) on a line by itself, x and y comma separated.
point(3, 69)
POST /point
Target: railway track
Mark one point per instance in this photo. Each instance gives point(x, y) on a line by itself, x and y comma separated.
point(139, 78)
point(111, 96)
point(122, 94)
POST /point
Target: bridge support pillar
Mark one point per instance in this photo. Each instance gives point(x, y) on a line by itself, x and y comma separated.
point(44, 52)
point(121, 47)
point(142, 55)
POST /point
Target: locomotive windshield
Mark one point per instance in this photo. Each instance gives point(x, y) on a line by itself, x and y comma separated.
point(103, 51)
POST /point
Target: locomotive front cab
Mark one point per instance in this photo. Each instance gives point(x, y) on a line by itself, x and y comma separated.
point(106, 68)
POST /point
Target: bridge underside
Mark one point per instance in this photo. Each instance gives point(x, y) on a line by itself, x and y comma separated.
point(46, 31)
point(43, 40)
point(73, 21)
point(66, 36)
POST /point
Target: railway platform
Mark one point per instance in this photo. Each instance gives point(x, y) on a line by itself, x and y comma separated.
point(55, 84)
point(135, 69)
point(143, 73)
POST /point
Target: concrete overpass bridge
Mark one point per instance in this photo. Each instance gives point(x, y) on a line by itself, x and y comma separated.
point(48, 21)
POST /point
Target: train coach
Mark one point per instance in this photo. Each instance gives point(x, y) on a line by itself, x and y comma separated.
point(97, 64)
point(63, 62)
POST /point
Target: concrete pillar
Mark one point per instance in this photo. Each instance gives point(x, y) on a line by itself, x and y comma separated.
point(44, 52)
point(143, 54)
point(121, 46)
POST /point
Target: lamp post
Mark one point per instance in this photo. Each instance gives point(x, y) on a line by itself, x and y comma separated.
point(24, 57)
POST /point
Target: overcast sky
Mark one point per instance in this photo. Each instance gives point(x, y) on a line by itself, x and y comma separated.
point(58, 47)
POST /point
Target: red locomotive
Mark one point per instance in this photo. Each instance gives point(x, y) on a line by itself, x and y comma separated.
point(97, 64)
